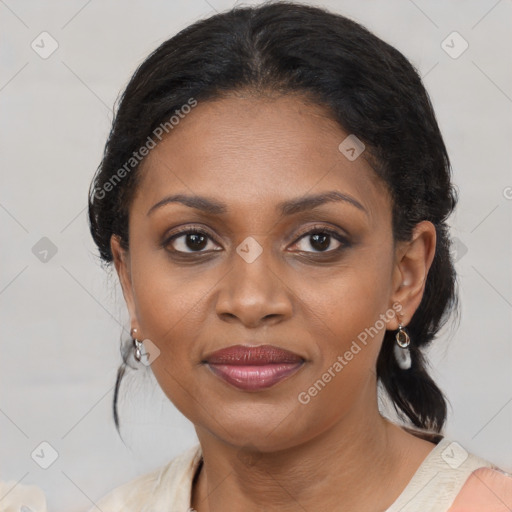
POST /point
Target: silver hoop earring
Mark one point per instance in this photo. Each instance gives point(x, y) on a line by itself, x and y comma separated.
point(137, 345)
point(401, 348)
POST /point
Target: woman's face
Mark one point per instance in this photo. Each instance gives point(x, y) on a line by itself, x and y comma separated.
point(255, 277)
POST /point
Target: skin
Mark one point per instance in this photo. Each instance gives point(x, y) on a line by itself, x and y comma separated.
point(265, 450)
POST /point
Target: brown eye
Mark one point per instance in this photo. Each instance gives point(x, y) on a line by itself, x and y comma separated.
point(320, 239)
point(189, 241)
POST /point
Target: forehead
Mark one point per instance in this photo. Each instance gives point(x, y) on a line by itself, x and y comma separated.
point(247, 150)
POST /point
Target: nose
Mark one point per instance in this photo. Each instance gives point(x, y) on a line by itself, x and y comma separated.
point(253, 293)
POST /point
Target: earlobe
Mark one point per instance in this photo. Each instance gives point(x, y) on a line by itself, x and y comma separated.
point(413, 261)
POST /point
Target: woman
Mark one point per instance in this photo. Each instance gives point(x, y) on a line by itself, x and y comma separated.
point(274, 195)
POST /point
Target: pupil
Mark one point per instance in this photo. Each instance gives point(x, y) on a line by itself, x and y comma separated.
point(323, 238)
point(197, 241)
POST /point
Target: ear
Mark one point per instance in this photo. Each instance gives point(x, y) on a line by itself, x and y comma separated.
point(413, 259)
point(122, 263)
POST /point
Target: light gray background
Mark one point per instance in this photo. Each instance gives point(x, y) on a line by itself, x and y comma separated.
point(61, 320)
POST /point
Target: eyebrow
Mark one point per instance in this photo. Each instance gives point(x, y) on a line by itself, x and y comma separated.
point(289, 207)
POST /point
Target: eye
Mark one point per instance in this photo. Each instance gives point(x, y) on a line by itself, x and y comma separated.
point(320, 239)
point(195, 240)
point(189, 240)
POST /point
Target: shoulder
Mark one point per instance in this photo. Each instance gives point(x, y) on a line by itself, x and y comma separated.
point(486, 489)
point(169, 485)
point(448, 475)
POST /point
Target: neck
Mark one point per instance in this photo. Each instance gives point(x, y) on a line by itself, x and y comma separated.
point(362, 452)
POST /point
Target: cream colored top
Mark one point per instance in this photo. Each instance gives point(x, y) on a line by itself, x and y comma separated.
point(433, 487)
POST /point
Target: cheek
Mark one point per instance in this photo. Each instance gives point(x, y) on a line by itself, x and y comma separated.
point(168, 299)
point(348, 300)
point(348, 311)
point(170, 309)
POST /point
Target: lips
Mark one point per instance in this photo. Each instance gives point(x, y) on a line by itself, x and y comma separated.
point(253, 368)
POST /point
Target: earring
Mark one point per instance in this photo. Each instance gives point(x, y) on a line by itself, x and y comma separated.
point(401, 348)
point(137, 345)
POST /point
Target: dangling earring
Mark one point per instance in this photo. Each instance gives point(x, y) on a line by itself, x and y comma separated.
point(137, 345)
point(401, 348)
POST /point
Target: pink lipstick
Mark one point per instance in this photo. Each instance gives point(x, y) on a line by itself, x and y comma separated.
point(253, 368)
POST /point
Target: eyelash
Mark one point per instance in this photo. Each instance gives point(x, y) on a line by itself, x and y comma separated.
point(314, 230)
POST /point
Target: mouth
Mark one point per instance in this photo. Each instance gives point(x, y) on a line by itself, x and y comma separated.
point(253, 368)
